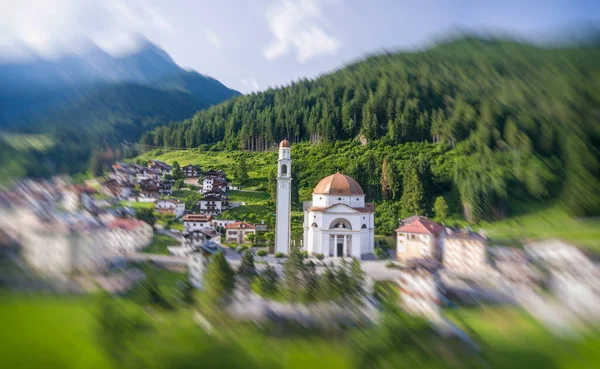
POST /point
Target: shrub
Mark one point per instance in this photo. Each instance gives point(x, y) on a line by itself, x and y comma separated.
point(279, 255)
point(380, 253)
point(320, 257)
point(242, 249)
point(304, 254)
point(262, 253)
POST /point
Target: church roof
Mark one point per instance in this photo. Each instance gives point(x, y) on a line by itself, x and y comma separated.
point(369, 208)
point(338, 184)
point(422, 226)
point(285, 143)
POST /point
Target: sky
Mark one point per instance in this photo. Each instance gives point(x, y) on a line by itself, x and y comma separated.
point(251, 45)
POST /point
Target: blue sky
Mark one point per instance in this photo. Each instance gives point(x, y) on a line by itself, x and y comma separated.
point(253, 44)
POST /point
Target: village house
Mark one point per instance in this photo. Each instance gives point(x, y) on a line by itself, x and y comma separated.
point(149, 190)
point(165, 188)
point(212, 205)
point(128, 235)
point(161, 167)
point(170, 206)
point(464, 251)
point(77, 196)
point(192, 222)
point(114, 188)
point(420, 239)
point(238, 231)
point(210, 184)
point(222, 223)
point(198, 261)
point(122, 173)
point(512, 264)
point(215, 174)
point(420, 292)
point(191, 171)
point(192, 241)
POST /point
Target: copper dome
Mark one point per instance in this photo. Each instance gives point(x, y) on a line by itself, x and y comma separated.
point(284, 143)
point(338, 184)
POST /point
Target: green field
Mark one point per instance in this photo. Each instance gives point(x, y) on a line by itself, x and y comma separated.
point(159, 244)
point(546, 222)
point(509, 338)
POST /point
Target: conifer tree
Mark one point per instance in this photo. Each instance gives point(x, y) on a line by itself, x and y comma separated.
point(412, 197)
point(219, 281)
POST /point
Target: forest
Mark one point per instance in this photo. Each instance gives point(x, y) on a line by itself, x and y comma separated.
point(508, 122)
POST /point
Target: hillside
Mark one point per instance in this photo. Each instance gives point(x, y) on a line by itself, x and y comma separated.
point(522, 122)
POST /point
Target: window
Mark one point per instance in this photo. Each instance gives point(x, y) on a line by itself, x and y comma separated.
point(339, 198)
point(284, 170)
point(364, 226)
point(314, 225)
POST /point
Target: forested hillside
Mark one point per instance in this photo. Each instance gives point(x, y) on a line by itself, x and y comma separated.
point(519, 122)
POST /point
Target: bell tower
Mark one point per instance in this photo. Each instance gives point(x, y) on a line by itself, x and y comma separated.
point(284, 198)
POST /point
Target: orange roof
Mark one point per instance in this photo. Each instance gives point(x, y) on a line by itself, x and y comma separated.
point(423, 226)
point(338, 184)
point(197, 218)
point(284, 144)
point(238, 225)
point(127, 224)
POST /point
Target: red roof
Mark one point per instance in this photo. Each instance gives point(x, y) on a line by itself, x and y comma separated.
point(423, 226)
point(127, 224)
point(238, 225)
point(197, 218)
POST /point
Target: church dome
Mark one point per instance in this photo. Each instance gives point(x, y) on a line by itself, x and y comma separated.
point(284, 144)
point(338, 184)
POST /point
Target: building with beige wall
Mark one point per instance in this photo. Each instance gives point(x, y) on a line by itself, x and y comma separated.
point(464, 251)
point(420, 239)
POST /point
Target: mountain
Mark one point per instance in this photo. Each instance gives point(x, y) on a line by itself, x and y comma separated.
point(93, 101)
point(32, 87)
point(518, 122)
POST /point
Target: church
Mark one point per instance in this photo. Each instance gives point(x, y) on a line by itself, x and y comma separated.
point(337, 222)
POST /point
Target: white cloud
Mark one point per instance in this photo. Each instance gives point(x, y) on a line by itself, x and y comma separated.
point(51, 27)
point(299, 26)
point(212, 38)
point(250, 83)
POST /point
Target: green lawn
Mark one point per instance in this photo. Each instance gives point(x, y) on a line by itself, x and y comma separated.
point(546, 222)
point(249, 197)
point(509, 338)
point(47, 332)
point(137, 205)
point(159, 244)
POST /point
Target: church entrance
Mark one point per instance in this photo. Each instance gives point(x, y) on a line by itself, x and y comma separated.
point(340, 247)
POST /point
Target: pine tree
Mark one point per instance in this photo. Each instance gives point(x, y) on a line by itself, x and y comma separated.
point(292, 274)
point(385, 183)
point(247, 269)
point(412, 197)
point(273, 185)
point(219, 281)
point(440, 209)
point(241, 171)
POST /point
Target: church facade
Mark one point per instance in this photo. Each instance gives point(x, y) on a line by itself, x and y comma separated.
point(338, 222)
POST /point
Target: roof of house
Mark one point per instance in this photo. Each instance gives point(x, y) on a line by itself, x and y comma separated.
point(126, 224)
point(338, 184)
point(368, 208)
point(423, 226)
point(83, 189)
point(412, 219)
point(211, 198)
point(174, 201)
point(197, 218)
point(240, 225)
point(464, 234)
point(284, 144)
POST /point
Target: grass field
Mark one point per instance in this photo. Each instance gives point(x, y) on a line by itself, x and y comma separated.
point(159, 244)
point(546, 222)
point(509, 338)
